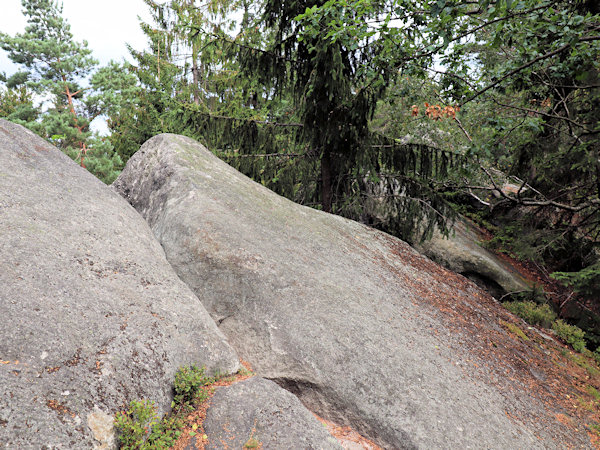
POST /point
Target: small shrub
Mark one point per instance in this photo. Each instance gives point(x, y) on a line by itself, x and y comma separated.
point(532, 313)
point(188, 381)
point(165, 433)
point(252, 443)
point(135, 425)
point(140, 428)
point(572, 335)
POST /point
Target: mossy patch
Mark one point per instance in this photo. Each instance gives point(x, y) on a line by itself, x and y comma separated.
point(593, 392)
point(514, 329)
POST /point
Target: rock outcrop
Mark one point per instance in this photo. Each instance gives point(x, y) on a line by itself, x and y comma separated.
point(462, 253)
point(92, 316)
point(258, 411)
point(361, 327)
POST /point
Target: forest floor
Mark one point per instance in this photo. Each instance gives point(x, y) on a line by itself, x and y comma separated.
point(555, 291)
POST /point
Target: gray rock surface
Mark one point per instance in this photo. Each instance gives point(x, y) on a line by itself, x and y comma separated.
point(259, 409)
point(462, 253)
point(360, 326)
point(92, 316)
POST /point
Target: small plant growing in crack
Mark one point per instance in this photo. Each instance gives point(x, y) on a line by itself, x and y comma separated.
point(252, 443)
point(187, 386)
point(139, 427)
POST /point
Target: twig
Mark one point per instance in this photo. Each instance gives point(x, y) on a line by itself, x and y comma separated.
point(528, 64)
point(512, 293)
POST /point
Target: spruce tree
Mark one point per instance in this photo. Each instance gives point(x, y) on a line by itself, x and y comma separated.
point(334, 98)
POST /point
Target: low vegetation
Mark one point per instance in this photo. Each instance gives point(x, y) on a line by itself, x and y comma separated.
point(543, 315)
point(139, 427)
point(532, 313)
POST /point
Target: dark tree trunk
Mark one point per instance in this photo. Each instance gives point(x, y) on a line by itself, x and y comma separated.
point(195, 77)
point(326, 176)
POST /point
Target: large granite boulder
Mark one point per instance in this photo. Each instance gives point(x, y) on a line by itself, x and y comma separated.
point(366, 331)
point(92, 315)
point(258, 411)
point(462, 252)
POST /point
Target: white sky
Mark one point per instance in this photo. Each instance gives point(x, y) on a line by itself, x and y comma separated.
point(105, 24)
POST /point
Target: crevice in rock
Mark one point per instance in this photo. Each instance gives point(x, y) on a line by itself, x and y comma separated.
point(220, 321)
point(486, 283)
point(321, 402)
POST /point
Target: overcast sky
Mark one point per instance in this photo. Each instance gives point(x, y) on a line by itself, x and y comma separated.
point(106, 24)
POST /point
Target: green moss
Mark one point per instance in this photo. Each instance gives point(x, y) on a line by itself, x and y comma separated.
point(584, 363)
point(588, 405)
point(594, 393)
point(252, 443)
point(514, 329)
point(595, 428)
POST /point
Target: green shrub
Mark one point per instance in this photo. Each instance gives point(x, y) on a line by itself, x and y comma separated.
point(140, 427)
point(134, 425)
point(188, 381)
point(572, 335)
point(532, 313)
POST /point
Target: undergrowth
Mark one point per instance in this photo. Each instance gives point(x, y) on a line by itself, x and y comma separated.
point(544, 316)
point(139, 427)
point(532, 313)
point(572, 335)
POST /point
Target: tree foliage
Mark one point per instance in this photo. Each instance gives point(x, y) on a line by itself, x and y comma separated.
point(54, 69)
point(529, 69)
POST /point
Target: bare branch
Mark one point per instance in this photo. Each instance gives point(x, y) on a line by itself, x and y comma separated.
point(463, 129)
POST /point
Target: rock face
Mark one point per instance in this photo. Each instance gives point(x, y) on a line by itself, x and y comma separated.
point(360, 326)
point(259, 409)
point(461, 253)
point(92, 316)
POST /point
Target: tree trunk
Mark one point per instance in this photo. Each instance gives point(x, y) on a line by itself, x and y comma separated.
point(70, 95)
point(326, 188)
point(195, 76)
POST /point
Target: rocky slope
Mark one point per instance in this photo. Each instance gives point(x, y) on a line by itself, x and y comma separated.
point(92, 315)
point(462, 252)
point(360, 326)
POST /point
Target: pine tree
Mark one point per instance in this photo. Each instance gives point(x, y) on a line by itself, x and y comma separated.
point(56, 67)
point(16, 100)
point(187, 76)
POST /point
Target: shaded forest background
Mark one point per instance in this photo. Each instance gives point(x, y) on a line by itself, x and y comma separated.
point(401, 114)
